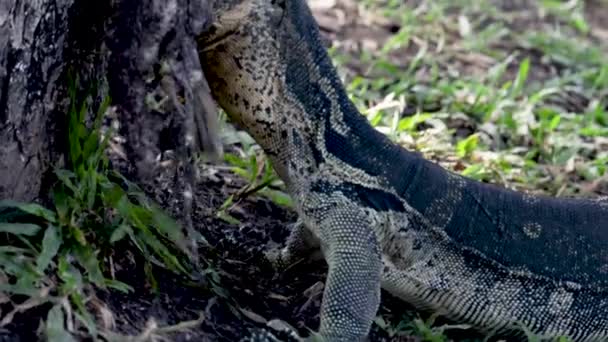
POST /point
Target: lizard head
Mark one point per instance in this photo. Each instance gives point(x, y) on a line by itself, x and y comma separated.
point(269, 71)
point(241, 58)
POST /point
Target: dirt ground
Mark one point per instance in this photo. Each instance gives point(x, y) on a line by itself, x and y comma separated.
point(251, 292)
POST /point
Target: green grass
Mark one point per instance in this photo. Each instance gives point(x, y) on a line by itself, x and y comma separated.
point(522, 129)
point(57, 257)
point(249, 162)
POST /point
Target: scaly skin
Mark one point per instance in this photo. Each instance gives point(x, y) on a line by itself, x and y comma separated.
point(383, 216)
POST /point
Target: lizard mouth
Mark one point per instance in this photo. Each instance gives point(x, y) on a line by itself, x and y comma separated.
point(209, 44)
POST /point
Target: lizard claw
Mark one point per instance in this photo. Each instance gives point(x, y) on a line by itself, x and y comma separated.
point(300, 245)
point(275, 331)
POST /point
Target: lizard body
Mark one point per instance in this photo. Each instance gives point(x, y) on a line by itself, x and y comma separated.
point(384, 216)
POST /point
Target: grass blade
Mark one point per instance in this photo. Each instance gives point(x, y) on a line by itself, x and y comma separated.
point(26, 229)
point(50, 246)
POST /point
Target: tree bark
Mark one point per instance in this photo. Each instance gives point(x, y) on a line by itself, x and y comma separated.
point(32, 40)
point(144, 54)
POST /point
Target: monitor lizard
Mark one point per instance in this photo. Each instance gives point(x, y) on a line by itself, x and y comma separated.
point(383, 216)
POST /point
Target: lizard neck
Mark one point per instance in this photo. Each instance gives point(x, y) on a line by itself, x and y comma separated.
point(272, 75)
point(347, 143)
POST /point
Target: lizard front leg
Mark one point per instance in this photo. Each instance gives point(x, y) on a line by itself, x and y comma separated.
point(352, 292)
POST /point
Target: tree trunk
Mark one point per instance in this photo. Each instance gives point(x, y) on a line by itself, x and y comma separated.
point(138, 50)
point(32, 40)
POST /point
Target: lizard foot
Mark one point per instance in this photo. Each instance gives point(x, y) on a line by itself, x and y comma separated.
point(300, 245)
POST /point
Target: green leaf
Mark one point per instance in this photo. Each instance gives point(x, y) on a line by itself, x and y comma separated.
point(92, 188)
point(90, 146)
point(410, 123)
point(554, 122)
point(269, 174)
point(120, 232)
point(118, 285)
point(14, 250)
point(60, 199)
point(601, 77)
point(234, 160)
point(591, 131)
point(150, 276)
point(50, 246)
point(376, 119)
point(242, 172)
point(389, 67)
point(101, 111)
point(71, 277)
point(228, 218)
point(29, 291)
point(580, 24)
point(75, 151)
point(66, 178)
point(83, 314)
point(87, 258)
point(170, 261)
point(167, 225)
point(253, 167)
point(21, 267)
point(522, 76)
point(475, 171)
point(112, 194)
point(279, 198)
point(466, 146)
point(55, 326)
point(82, 115)
point(78, 235)
point(26, 229)
point(30, 208)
